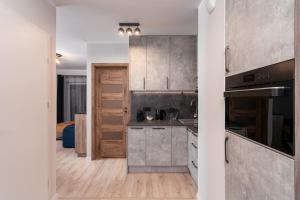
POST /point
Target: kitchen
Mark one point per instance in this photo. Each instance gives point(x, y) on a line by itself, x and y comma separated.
point(246, 145)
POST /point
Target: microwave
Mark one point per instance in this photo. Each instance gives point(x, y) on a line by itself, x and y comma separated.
point(259, 105)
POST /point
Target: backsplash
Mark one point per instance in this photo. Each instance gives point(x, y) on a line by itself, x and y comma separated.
point(182, 102)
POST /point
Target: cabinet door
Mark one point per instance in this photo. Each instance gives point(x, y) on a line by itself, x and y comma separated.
point(258, 33)
point(183, 63)
point(158, 62)
point(137, 57)
point(255, 172)
point(158, 145)
point(179, 146)
point(136, 144)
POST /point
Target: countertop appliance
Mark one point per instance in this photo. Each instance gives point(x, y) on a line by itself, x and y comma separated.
point(259, 105)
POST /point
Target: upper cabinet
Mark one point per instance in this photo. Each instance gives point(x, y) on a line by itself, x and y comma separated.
point(158, 62)
point(137, 59)
point(163, 63)
point(258, 33)
point(183, 63)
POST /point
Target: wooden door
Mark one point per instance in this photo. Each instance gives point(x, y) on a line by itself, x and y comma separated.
point(110, 112)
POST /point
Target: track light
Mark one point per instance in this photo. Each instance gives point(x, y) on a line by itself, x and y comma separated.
point(121, 31)
point(129, 31)
point(58, 56)
point(129, 28)
point(137, 31)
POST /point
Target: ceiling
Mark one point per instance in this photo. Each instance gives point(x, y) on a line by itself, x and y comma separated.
point(96, 21)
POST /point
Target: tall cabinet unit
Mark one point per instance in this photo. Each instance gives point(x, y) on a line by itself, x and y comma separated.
point(258, 33)
point(162, 63)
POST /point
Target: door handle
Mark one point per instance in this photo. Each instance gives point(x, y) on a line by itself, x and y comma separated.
point(194, 165)
point(226, 158)
point(227, 59)
point(136, 128)
point(125, 109)
point(158, 128)
point(167, 82)
point(144, 83)
point(194, 146)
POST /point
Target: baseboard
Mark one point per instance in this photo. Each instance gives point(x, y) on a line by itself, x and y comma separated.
point(55, 197)
point(88, 158)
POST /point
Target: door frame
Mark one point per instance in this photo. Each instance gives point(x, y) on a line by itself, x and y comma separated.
point(93, 117)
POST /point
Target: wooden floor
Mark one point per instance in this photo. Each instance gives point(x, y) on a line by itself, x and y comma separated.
point(80, 179)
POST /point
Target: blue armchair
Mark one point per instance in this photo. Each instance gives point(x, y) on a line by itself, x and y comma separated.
point(69, 137)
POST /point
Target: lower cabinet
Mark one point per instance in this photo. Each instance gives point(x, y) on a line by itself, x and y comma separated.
point(179, 146)
point(159, 147)
point(254, 172)
point(136, 150)
point(193, 155)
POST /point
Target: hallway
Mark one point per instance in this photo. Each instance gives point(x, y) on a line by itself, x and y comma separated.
point(78, 178)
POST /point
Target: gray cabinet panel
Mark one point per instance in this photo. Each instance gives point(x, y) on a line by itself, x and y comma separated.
point(138, 62)
point(158, 146)
point(259, 33)
point(158, 62)
point(183, 63)
point(255, 172)
point(179, 146)
point(136, 141)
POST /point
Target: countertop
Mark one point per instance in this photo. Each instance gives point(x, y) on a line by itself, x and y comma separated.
point(155, 123)
point(193, 129)
point(162, 123)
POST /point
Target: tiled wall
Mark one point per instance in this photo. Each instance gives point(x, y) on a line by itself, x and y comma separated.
point(182, 102)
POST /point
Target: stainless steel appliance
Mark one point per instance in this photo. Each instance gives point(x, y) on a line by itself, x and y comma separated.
point(260, 106)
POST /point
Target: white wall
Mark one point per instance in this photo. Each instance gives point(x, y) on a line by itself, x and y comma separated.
point(27, 130)
point(211, 45)
point(101, 53)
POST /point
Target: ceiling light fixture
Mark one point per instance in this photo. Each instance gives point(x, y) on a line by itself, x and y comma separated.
point(58, 56)
point(137, 31)
point(129, 31)
point(121, 31)
point(129, 28)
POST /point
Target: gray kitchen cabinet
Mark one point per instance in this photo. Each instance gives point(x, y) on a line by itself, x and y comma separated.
point(162, 63)
point(183, 63)
point(158, 145)
point(137, 59)
point(136, 140)
point(193, 155)
point(158, 62)
point(179, 146)
point(255, 172)
point(258, 33)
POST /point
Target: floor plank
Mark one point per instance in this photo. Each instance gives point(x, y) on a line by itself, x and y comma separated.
point(107, 179)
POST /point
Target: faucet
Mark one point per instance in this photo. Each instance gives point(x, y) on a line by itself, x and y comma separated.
point(195, 102)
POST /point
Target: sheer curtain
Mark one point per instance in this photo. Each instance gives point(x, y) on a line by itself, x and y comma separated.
point(74, 96)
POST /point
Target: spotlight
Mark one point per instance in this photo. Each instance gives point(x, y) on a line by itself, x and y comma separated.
point(121, 31)
point(129, 31)
point(137, 31)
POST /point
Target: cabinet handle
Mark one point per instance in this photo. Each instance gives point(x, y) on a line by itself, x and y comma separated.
point(167, 82)
point(137, 128)
point(226, 141)
point(194, 165)
point(159, 128)
point(194, 134)
point(194, 146)
point(227, 49)
point(144, 83)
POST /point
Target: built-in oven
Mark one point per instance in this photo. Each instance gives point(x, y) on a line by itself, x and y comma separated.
point(259, 105)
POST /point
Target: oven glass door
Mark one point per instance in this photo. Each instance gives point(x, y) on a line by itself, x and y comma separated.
point(268, 120)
